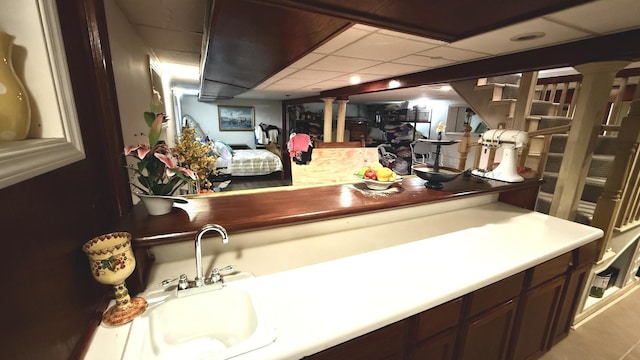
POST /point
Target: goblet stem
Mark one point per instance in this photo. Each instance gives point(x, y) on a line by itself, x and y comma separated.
point(123, 300)
point(125, 309)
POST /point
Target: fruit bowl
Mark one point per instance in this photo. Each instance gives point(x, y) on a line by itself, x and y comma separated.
point(379, 185)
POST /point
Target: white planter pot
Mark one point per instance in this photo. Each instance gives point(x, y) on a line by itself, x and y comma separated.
point(157, 204)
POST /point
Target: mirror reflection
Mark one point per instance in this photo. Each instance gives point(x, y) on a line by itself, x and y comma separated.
point(387, 122)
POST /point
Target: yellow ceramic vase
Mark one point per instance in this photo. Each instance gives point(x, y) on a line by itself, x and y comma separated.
point(15, 110)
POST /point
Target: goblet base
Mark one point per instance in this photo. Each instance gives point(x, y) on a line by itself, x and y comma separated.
point(122, 314)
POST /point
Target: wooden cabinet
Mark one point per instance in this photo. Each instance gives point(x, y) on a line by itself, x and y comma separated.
point(519, 317)
point(539, 307)
point(439, 347)
point(385, 343)
point(535, 320)
point(486, 337)
point(435, 332)
point(486, 333)
point(583, 259)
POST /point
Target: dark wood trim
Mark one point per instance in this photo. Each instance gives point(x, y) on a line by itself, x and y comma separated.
point(436, 19)
point(312, 204)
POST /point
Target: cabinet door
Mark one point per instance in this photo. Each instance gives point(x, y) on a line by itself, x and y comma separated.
point(486, 337)
point(385, 343)
point(569, 304)
point(439, 347)
point(535, 318)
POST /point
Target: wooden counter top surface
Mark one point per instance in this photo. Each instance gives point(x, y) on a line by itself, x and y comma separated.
point(252, 211)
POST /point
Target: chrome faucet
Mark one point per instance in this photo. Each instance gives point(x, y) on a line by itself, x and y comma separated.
point(187, 287)
point(199, 280)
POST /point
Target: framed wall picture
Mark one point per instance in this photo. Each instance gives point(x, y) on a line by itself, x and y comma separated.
point(236, 118)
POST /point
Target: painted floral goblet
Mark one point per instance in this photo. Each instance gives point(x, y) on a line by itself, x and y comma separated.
point(112, 261)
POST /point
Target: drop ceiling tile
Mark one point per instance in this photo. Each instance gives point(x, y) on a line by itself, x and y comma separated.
point(363, 77)
point(326, 85)
point(281, 74)
point(294, 83)
point(452, 53)
point(365, 27)
point(343, 39)
point(620, 14)
point(391, 69)
point(382, 47)
point(316, 75)
point(306, 60)
point(498, 41)
point(425, 61)
point(412, 37)
point(341, 63)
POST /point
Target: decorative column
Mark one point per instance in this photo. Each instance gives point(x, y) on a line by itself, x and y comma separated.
point(328, 118)
point(342, 112)
point(585, 127)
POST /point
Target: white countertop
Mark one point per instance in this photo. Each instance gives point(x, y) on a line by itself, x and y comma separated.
point(318, 306)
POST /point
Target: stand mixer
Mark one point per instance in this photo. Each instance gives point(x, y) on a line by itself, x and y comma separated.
point(509, 140)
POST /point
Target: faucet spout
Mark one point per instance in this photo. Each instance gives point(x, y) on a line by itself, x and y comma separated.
point(199, 280)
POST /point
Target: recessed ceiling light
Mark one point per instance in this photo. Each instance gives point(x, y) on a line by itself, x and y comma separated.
point(355, 79)
point(528, 36)
point(445, 88)
point(393, 84)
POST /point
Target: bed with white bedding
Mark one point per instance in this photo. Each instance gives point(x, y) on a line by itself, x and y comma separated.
point(249, 162)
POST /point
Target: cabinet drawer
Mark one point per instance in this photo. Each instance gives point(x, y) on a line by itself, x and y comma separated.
point(586, 254)
point(438, 319)
point(438, 347)
point(385, 343)
point(550, 269)
point(495, 294)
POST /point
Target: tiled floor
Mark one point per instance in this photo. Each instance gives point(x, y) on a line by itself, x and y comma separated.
point(614, 334)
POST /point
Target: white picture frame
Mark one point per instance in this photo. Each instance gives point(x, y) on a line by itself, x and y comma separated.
point(61, 141)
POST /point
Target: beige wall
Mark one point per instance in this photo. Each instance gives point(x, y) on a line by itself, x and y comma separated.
point(131, 73)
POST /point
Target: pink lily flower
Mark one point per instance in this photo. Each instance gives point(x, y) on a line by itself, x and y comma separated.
point(141, 149)
point(190, 173)
point(168, 161)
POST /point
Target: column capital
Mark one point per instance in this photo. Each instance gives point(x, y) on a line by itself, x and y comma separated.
point(328, 100)
point(342, 101)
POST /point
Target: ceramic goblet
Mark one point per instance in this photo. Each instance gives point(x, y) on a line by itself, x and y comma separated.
point(112, 261)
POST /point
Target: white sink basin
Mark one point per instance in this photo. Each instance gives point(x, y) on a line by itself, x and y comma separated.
point(217, 324)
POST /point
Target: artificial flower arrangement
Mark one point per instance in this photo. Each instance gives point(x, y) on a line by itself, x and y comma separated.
point(157, 169)
point(196, 156)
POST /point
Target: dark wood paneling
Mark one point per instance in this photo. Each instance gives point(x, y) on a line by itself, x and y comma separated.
point(439, 19)
point(249, 42)
point(50, 293)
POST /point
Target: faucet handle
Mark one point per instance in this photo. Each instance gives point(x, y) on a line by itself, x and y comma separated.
point(183, 282)
point(216, 274)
